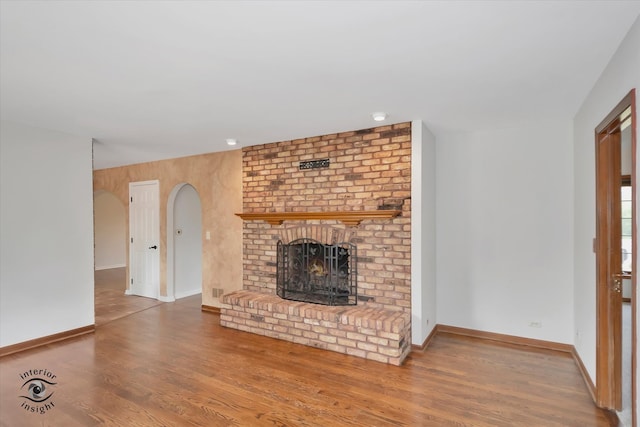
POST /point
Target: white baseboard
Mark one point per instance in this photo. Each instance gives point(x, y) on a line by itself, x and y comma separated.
point(171, 299)
point(160, 298)
point(185, 294)
point(107, 267)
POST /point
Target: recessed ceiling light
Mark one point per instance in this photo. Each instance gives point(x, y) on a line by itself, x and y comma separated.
point(379, 116)
point(231, 141)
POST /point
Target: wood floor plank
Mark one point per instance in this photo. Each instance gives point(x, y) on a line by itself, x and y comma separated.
point(173, 365)
point(111, 302)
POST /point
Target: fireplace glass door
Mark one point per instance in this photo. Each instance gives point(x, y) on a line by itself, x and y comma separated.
point(310, 271)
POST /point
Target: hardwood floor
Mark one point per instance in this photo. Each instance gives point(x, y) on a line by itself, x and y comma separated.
point(173, 365)
point(110, 301)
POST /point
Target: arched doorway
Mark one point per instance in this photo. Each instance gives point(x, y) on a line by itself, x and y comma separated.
point(184, 242)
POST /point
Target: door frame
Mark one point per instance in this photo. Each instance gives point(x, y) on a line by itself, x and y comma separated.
point(130, 236)
point(171, 242)
point(608, 382)
point(171, 201)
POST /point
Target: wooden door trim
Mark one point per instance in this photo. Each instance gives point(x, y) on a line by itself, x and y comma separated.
point(611, 121)
point(608, 360)
point(634, 264)
point(604, 387)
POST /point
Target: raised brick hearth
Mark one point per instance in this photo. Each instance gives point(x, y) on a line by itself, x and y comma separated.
point(365, 170)
point(371, 333)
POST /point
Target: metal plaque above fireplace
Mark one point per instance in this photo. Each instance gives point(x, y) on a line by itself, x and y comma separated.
point(311, 271)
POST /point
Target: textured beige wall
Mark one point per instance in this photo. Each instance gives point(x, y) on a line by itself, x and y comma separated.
point(218, 179)
point(110, 232)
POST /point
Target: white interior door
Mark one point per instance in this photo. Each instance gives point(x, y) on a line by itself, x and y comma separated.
point(144, 238)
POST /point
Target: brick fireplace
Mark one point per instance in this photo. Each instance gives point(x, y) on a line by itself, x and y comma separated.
point(367, 170)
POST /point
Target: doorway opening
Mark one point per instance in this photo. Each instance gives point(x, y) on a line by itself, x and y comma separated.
point(184, 243)
point(110, 260)
point(615, 247)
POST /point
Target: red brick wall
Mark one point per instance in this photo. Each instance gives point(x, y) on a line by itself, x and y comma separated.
point(370, 169)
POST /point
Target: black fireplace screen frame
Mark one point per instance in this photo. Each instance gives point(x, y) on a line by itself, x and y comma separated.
point(315, 272)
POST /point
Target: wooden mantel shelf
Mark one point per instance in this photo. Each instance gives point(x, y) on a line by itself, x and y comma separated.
point(350, 218)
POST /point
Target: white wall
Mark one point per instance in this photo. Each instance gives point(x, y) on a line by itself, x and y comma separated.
point(620, 76)
point(504, 246)
point(110, 225)
point(46, 223)
point(423, 232)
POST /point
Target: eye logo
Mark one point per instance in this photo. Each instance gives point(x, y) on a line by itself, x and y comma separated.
point(37, 390)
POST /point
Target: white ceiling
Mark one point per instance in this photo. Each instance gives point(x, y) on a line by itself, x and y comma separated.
point(152, 80)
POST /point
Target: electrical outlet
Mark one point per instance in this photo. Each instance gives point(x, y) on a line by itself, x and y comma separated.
point(535, 324)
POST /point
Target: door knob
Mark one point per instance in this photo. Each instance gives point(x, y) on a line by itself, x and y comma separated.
point(617, 286)
point(153, 247)
point(617, 283)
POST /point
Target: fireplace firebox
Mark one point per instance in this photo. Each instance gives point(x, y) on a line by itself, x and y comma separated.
point(311, 271)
